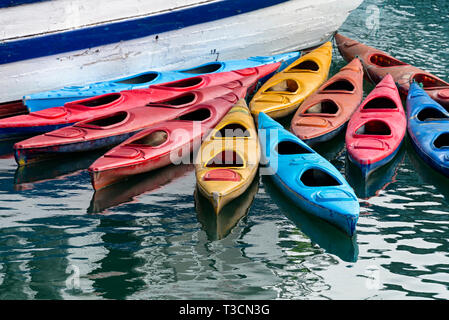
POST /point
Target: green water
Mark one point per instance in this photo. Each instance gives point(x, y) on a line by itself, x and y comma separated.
point(162, 243)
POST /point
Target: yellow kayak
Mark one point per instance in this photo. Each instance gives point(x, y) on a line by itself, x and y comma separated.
point(285, 91)
point(228, 159)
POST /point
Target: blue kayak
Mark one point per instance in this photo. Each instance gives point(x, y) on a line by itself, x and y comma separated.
point(56, 98)
point(428, 127)
point(308, 179)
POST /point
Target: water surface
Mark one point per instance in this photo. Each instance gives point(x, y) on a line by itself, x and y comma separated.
point(154, 238)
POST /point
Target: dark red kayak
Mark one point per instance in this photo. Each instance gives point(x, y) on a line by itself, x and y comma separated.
point(377, 128)
point(114, 128)
point(54, 118)
point(158, 146)
point(378, 64)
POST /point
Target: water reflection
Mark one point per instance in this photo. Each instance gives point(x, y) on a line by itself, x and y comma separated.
point(378, 180)
point(126, 191)
point(218, 226)
point(320, 232)
point(26, 177)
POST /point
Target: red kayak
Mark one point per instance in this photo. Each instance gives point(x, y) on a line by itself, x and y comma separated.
point(158, 146)
point(54, 118)
point(114, 128)
point(377, 128)
point(378, 64)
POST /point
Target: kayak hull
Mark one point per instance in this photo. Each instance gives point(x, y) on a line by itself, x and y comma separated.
point(378, 64)
point(377, 128)
point(54, 98)
point(426, 131)
point(307, 178)
point(325, 112)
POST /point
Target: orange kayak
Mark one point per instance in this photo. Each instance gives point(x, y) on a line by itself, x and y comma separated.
point(378, 64)
point(324, 114)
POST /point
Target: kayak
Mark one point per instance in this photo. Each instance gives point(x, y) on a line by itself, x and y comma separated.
point(305, 177)
point(54, 118)
point(377, 128)
point(55, 98)
point(219, 226)
point(167, 142)
point(428, 127)
point(114, 128)
point(285, 91)
point(325, 113)
point(378, 64)
point(228, 159)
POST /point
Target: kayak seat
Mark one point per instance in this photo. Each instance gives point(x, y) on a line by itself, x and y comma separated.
point(430, 114)
point(189, 83)
point(308, 65)
point(318, 178)
point(99, 101)
point(200, 115)
point(442, 141)
point(327, 107)
point(106, 122)
point(205, 68)
point(374, 127)
point(340, 85)
point(232, 130)
point(178, 102)
point(384, 61)
point(428, 81)
point(153, 139)
point(226, 158)
point(288, 85)
point(138, 79)
point(222, 175)
point(290, 147)
point(380, 103)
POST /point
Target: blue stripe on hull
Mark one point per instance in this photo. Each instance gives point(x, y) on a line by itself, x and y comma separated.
point(370, 168)
point(327, 136)
point(126, 30)
point(427, 159)
point(346, 224)
point(38, 154)
point(13, 3)
point(17, 132)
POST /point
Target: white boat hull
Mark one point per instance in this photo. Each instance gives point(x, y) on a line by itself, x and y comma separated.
point(291, 25)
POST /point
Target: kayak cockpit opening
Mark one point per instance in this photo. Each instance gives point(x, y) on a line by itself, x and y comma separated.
point(100, 100)
point(442, 141)
point(308, 65)
point(206, 68)
point(290, 147)
point(185, 83)
point(284, 86)
point(384, 61)
point(233, 130)
point(318, 178)
point(380, 103)
point(226, 158)
point(201, 114)
point(374, 127)
point(340, 85)
point(110, 120)
point(324, 107)
point(153, 139)
point(429, 81)
point(142, 78)
point(182, 100)
point(429, 114)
